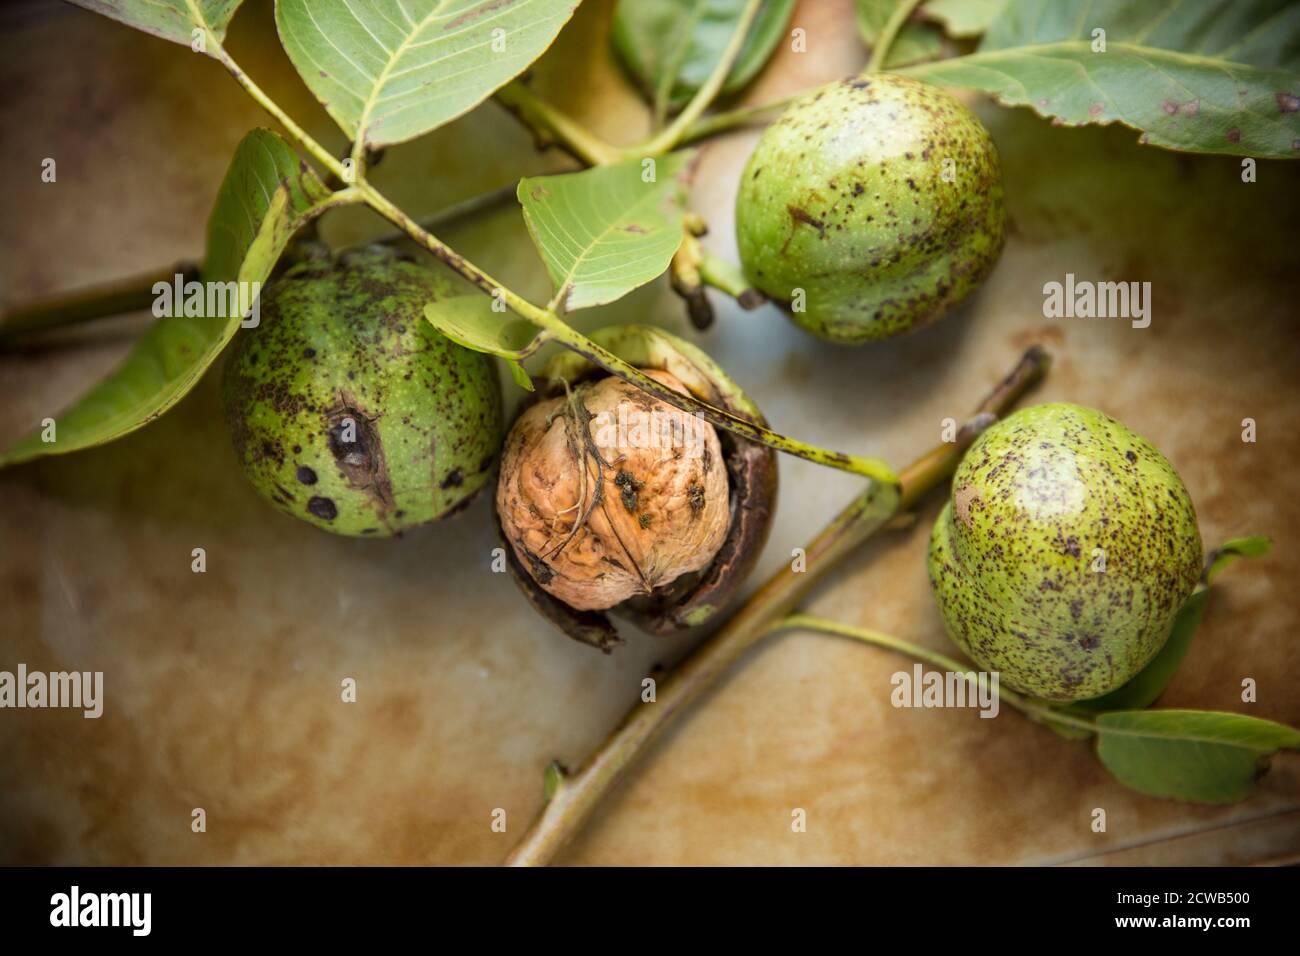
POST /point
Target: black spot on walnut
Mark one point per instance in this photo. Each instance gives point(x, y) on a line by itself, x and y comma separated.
point(323, 508)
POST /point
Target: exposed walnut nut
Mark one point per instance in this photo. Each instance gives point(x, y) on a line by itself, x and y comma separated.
point(608, 493)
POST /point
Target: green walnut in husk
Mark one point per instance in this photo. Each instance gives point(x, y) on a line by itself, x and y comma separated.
point(348, 410)
point(870, 207)
point(613, 501)
point(1065, 552)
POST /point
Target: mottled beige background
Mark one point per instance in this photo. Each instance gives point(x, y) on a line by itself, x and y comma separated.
point(223, 688)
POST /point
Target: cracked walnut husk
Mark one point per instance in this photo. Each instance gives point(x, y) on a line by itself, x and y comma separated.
point(612, 500)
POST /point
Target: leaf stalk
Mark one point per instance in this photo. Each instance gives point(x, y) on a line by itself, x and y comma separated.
point(889, 33)
point(670, 137)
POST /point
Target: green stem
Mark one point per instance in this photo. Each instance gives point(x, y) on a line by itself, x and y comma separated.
point(737, 118)
point(889, 33)
point(570, 338)
point(727, 277)
point(135, 293)
point(573, 798)
point(1034, 710)
point(874, 468)
point(671, 136)
point(548, 125)
point(95, 302)
point(322, 155)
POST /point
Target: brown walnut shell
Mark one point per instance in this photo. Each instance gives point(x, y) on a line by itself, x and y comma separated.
point(693, 599)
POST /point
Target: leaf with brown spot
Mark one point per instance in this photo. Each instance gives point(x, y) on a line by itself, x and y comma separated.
point(606, 231)
point(1208, 77)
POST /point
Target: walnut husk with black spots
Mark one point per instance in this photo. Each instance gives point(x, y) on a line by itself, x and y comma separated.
point(872, 206)
point(1065, 553)
point(348, 410)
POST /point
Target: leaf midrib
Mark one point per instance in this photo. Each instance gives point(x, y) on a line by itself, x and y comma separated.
point(566, 287)
point(363, 132)
point(984, 56)
point(1181, 738)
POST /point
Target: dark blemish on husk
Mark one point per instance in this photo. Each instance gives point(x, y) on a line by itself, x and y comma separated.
point(361, 461)
point(454, 480)
point(696, 495)
point(629, 487)
point(962, 499)
point(1234, 135)
point(306, 475)
point(323, 508)
point(1288, 103)
point(802, 216)
point(542, 572)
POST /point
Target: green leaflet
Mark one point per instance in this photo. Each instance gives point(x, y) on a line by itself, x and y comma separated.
point(471, 321)
point(963, 18)
point(1227, 553)
point(1214, 76)
point(672, 46)
point(605, 231)
point(1201, 756)
point(174, 20)
point(915, 41)
point(267, 195)
point(388, 72)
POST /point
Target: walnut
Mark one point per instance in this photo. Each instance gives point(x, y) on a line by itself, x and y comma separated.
point(607, 493)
